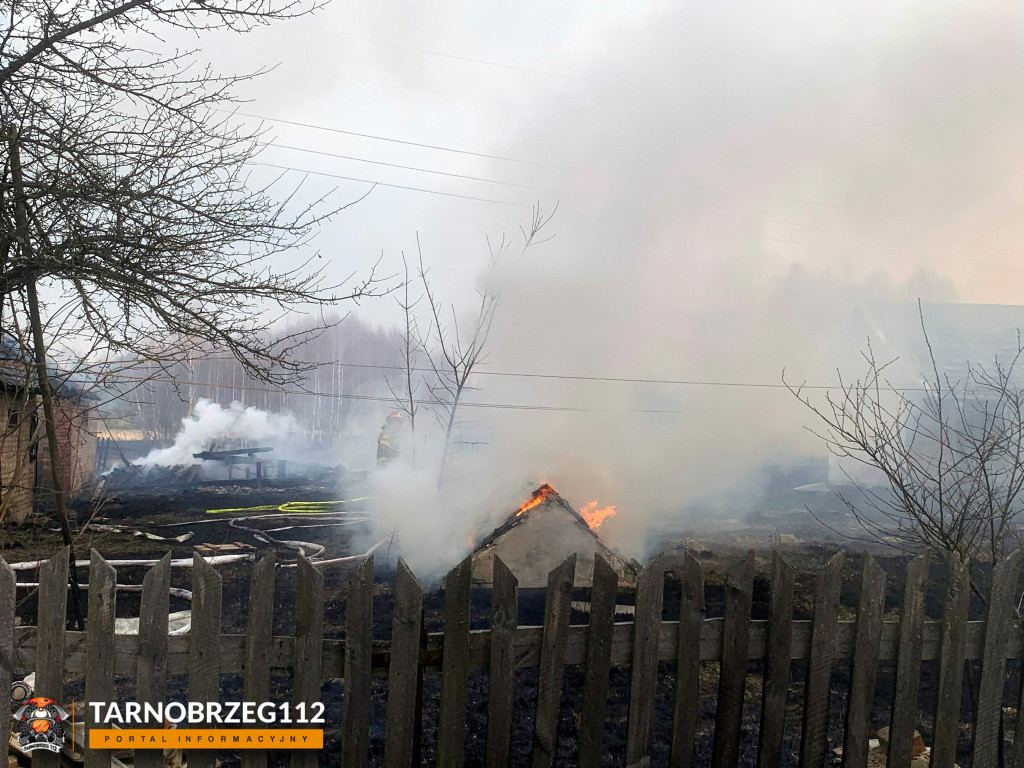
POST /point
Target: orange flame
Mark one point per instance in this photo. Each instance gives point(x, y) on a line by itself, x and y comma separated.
point(595, 516)
point(536, 499)
point(40, 726)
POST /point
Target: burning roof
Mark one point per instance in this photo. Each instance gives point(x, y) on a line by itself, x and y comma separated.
point(541, 533)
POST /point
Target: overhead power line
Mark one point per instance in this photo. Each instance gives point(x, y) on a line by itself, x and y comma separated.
point(380, 138)
point(614, 379)
point(385, 184)
point(275, 145)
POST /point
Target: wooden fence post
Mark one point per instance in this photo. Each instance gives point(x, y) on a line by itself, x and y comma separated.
point(451, 725)
point(908, 665)
point(777, 663)
point(956, 603)
point(1001, 603)
point(403, 699)
point(355, 739)
point(650, 591)
point(603, 593)
point(557, 611)
point(51, 621)
point(814, 736)
point(309, 639)
point(151, 676)
point(99, 670)
point(8, 609)
point(204, 644)
point(739, 591)
point(865, 665)
point(259, 631)
point(502, 668)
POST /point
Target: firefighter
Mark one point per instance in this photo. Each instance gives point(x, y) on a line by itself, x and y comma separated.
point(389, 439)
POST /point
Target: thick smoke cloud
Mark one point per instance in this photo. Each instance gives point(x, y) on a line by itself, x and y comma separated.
point(740, 178)
point(210, 421)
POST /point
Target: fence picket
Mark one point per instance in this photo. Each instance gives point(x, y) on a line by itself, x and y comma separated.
point(865, 664)
point(557, 610)
point(309, 637)
point(739, 591)
point(908, 665)
point(259, 630)
point(403, 701)
point(204, 645)
point(51, 621)
point(451, 725)
point(99, 676)
point(644, 674)
point(597, 665)
point(151, 685)
point(814, 736)
point(776, 671)
point(691, 620)
point(8, 610)
point(355, 740)
point(990, 689)
point(951, 662)
point(501, 674)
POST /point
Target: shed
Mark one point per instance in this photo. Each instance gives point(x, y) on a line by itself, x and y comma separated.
point(539, 536)
point(24, 455)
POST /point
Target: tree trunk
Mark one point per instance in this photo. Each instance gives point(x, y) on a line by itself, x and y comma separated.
point(45, 390)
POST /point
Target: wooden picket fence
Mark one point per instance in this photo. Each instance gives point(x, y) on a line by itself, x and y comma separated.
point(733, 641)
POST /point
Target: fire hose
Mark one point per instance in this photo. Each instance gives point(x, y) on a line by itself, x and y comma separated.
point(305, 548)
point(294, 507)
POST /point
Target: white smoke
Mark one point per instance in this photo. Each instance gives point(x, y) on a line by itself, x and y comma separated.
point(739, 179)
point(209, 421)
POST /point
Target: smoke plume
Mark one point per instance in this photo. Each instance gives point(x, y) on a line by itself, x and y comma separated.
point(210, 421)
point(739, 180)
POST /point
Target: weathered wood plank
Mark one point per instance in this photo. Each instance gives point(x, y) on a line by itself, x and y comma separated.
point(526, 645)
point(501, 675)
point(644, 674)
point(687, 654)
point(355, 739)
point(1001, 603)
point(406, 628)
point(51, 621)
point(908, 665)
point(557, 610)
point(951, 662)
point(777, 661)
point(739, 591)
point(865, 665)
point(204, 645)
point(152, 657)
point(814, 739)
point(603, 592)
point(99, 676)
point(451, 727)
point(309, 637)
point(8, 610)
point(259, 630)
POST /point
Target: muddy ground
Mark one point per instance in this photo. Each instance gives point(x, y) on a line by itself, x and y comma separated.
point(154, 510)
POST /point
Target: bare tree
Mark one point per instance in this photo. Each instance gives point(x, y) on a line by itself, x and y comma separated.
point(453, 353)
point(125, 192)
point(405, 399)
point(950, 455)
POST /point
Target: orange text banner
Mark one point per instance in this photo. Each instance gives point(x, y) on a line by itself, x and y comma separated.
point(206, 738)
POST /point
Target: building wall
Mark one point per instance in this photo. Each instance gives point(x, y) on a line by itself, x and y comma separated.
point(77, 445)
point(17, 468)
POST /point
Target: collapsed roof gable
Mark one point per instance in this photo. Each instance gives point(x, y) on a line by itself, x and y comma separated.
point(544, 494)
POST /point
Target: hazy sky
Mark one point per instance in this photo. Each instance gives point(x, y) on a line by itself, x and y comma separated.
point(737, 180)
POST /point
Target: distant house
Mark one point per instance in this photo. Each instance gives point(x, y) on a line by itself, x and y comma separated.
point(538, 537)
point(25, 474)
